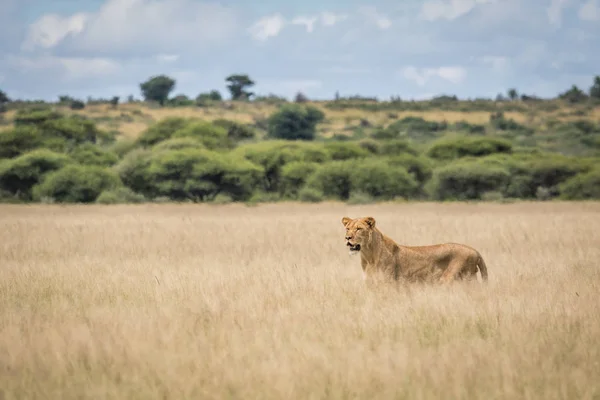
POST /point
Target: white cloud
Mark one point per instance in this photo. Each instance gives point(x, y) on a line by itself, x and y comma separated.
point(309, 22)
point(421, 76)
point(267, 27)
point(326, 18)
point(381, 20)
point(51, 29)
point(69, 68)
point(125, 26)
point(590, 11)
point(330, 19)
point(554, 11)
point(272, 25)
point(448, 9)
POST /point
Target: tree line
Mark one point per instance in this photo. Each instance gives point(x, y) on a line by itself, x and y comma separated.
point(158, 89)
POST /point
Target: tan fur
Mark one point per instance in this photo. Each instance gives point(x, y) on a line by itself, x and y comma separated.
point(381, 257)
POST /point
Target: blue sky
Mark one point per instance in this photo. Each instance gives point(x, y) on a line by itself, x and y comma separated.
point(412, 49)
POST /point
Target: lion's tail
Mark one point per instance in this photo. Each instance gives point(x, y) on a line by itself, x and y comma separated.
point(482, 268)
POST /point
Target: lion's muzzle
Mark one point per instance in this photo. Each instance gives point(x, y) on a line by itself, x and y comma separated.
point(353, 247)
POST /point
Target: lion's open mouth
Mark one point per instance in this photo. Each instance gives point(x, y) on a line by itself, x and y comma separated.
point(353, 247)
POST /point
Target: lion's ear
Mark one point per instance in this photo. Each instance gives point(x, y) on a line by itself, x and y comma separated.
point(370, 221)
point(346, 220)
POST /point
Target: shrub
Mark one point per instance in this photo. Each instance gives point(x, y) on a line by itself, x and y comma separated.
point(294, 122)
point(395, 147)
point(345, 150)
point(35, 116)
point(196, 174)
point(76, 184)
point(210, 135)
point(582, 186)
point(19, 175)
point(468, 127)
point(376, 178)
point(380, 180)
point(357, 197)
point(333, 179)
point(178, 144)
point(467, 179)
point(294, 176)
point(310, 195)
point(462, 146)
point(416, 127)
point(546, 171)
point(120, 195)
point(75, 130)
point(122, 147)
point(273, 155)
point(133, 171)
point(371, 145)
point(89, 154)
point(420, 167)
point(20, 140)
point(235, 131)
point(162, 130)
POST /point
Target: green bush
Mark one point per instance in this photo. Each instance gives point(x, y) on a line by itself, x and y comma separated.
point(420, 167)
point(133, 171)
point(19, 140)
point(294, 176)
point(178, 144)
point(546, 170)
point(193, 174)
point(465, 126)
point(89, 154)
point(75, 130)
point(35, 116)
point(19, 175)
point(396, 147)
point(583, 186)
point(235, 130)
point(210, 135)
point(461, 146)
point(76, 184)
point(162, 130)
point(415, 127)
point(120, 195)
point(371, 145)
point(467, 179)
point(310, 195)
point(380, 180)
point(373, 177)
point(122, 147)
point(273, 155)
point(294, 122)
point(345, 150)
point(333, 179)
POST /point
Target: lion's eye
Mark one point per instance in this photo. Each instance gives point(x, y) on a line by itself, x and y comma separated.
point(358, 229)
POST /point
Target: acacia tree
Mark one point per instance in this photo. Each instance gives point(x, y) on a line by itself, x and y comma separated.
point(595, 89)
point(237, 84)
point(157, 88)
point(3, 99)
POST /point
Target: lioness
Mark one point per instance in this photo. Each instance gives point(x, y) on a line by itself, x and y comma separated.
point(381, 256)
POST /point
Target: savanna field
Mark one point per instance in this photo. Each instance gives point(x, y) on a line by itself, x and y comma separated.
point(163, 301)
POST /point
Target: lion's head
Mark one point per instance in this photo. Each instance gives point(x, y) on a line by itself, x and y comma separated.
point(358, 232)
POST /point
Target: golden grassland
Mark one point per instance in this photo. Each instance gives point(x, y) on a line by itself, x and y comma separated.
point(211, 302)
point(141, 116)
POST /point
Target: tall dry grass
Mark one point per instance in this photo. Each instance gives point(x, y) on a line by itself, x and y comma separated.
point(211, 302)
